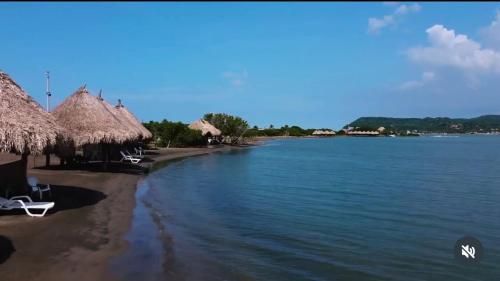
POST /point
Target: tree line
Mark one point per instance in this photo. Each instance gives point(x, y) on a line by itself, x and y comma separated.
point(234, 130)
point(293, 131)
point(175, 134)
point(485, 123)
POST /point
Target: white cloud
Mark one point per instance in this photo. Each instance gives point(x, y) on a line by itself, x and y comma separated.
point(455, 50)
point(375, 25)
point(427, 77)
point(491, 33)
point(406, 9)
point(236, 79)
point(457, 59)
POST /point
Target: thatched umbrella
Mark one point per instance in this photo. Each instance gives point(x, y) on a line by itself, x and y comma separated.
point(89, 121)
point(131, 127)
point(25, 128)
point(205, 128)
point(124, 114)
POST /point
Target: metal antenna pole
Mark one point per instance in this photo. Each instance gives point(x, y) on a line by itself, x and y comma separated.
point(47, 75)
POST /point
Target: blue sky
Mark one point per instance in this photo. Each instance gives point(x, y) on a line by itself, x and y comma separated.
point(310, 64)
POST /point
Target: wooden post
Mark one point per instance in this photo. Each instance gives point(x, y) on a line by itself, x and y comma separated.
point(24, 159)
point(105, 155)
point(108, 151)
point(47, 159)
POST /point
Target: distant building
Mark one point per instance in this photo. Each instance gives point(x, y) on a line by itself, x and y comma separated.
point(363, 133)
point(381, 129)
point(323, 133)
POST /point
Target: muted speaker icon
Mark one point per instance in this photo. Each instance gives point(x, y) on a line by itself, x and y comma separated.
point(468, 251)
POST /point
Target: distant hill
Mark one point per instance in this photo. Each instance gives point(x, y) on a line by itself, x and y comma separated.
point(485, 123)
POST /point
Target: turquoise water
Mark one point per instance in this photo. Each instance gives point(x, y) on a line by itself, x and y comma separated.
point(321, 209)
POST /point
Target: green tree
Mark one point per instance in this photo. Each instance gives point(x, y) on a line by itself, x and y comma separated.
point(232, 127)
point(175, 134)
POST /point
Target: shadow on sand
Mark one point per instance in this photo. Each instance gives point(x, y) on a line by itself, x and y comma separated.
point(111, 167)
point(6, 248)
point(71, 197)
point(66, 198)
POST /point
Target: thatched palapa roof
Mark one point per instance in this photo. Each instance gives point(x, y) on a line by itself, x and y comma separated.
point(205, 127)
point(90, 121)
point(131, 128)
point(24, 126)
point(123, 113)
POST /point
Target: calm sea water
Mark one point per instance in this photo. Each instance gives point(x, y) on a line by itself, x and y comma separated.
point(321, 209)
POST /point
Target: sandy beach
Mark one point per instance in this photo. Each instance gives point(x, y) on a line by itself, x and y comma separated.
point(77, 239)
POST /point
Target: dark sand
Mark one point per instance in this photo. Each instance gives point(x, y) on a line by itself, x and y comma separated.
point(80, 236)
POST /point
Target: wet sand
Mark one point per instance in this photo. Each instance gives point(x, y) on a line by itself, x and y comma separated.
point(79, 237)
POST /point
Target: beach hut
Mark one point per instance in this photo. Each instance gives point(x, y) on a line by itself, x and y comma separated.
point(131, 127)
point(25, 128)
point(323, 133)
point(208, 130)
point(89, 121)
point(205, 128)
point(125, 114)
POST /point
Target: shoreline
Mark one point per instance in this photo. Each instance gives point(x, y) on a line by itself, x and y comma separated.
point(89, 227)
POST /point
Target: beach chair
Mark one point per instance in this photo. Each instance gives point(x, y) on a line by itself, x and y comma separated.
point(129, 158)
point(39, 188)
point(133, 155)
point(139, 151)
point(28, 205)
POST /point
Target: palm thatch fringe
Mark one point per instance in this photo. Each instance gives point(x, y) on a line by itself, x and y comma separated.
point(123, 120)
point(123, 112)
point(24, 126)
point(89, 121)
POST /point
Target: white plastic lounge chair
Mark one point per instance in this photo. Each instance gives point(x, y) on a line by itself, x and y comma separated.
point(133, 155)
point(139, 151)
point(39, 188)
point(129, 158)
point(17, 202)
